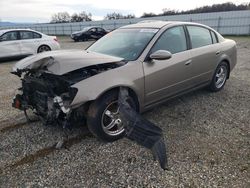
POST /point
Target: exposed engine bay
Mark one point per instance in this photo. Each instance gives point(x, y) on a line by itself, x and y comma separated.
point(50, 95)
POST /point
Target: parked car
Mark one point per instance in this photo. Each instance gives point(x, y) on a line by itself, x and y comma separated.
point(88, 33)
point(23, 42)
point(156, 61)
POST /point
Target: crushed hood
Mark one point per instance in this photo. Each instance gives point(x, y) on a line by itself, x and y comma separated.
point(63, 61)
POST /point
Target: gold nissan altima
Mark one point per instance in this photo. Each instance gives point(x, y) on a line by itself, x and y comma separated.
point(154, 60)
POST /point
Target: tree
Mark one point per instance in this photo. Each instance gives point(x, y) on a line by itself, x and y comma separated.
point(116, 16)
point(151, 14)
point(167, 11)
point(204, 9)
point(60, 17)
point(81, 17)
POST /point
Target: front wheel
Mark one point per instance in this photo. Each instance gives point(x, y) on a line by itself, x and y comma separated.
point(220, 77)
point(104, 120)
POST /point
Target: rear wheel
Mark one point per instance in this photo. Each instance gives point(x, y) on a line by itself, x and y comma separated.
point(43, 48)
point(104, 119)
point(220, 77)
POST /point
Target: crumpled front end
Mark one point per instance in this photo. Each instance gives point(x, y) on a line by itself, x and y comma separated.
point(47, 95)
point(50, 94)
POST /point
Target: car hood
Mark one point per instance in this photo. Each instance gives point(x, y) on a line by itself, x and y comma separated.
point(63, 61)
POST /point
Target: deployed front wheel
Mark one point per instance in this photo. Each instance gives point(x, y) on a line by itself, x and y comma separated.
point(104, 120)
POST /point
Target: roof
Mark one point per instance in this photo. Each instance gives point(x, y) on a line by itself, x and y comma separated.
point(7, 30)
point(157, 24)
point(149, 24)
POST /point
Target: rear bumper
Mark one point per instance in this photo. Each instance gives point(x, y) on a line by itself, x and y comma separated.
point(55, 46)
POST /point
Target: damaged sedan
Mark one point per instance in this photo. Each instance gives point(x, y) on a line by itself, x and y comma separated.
point(155, 61)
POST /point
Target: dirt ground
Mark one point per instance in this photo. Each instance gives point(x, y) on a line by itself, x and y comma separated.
point(208, 138)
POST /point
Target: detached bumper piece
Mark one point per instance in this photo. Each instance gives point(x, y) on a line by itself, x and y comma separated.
point(141, 130)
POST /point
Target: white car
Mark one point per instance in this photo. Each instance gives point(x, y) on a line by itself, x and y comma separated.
point(23, 42)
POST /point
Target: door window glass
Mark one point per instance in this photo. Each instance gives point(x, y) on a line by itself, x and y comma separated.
point(172, 40)
point(199, 36)
point(26, 35)
point(9, 36)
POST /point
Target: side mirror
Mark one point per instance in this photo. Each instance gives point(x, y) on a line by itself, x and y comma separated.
point(161, 55)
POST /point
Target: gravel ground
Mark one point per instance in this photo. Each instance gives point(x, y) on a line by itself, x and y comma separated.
point(208, 138)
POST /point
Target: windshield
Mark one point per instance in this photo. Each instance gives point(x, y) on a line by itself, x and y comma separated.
point(125, 43)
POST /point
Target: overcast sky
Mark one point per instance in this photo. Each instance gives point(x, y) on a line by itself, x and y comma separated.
point(41, 10)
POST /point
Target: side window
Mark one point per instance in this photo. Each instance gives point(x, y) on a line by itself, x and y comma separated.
point(9, 36)
point(100, 30)
point(173, 40)
point(26, 35)
point(36, 35)
point(199, 36)
point(29, 35)
point(93, 30)
point(214, 37)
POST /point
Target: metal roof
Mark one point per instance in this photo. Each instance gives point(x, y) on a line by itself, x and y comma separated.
point(7, 30)
point(149, 24)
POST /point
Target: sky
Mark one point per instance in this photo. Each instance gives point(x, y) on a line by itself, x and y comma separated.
point(40, 11)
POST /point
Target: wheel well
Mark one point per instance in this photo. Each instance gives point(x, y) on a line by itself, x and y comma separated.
point(228, 64)
point(131, 94)
point(43, 45)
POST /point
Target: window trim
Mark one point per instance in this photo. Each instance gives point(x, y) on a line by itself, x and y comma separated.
point(201, 26)
point(187, 45)
point(216, 37)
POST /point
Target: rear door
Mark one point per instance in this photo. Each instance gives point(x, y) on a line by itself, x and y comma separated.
point(164, 78)
point(9, 44)
point(204, 53)
point(29, 42)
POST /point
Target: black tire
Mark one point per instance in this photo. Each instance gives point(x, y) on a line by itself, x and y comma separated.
point(43, 48)
point(214, 85)
point(96, 113)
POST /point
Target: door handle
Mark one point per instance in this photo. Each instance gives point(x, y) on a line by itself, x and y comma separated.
point(217, 53)
point(188, 62)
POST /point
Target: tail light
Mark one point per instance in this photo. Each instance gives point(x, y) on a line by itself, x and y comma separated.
point(55, 39)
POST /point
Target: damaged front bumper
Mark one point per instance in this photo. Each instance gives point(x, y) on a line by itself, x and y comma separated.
point(48, 97)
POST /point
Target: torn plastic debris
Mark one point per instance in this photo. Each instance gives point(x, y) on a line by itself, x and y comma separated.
point(142, 131)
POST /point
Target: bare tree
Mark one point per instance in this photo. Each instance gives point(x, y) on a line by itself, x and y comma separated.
point(116, 16)
point(151, 14)
point(60, 17)
point(81, 17)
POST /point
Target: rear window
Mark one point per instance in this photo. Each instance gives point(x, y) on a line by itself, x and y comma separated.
point(199, 36)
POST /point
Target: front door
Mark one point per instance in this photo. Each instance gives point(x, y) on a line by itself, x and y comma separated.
point(164, 78)
point(9, 45)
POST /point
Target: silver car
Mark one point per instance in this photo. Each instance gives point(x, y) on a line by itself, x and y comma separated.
point(156, 61)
